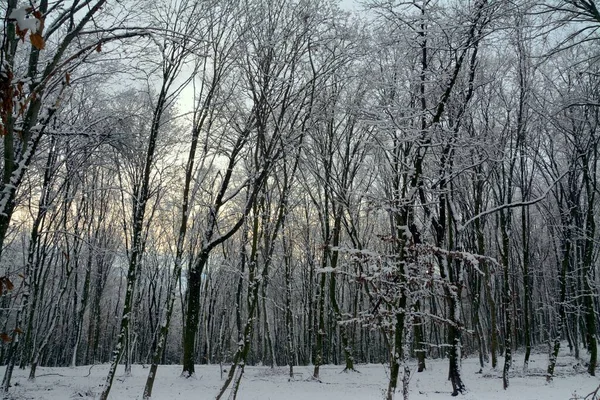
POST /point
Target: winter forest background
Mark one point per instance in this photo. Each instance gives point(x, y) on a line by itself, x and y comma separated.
point(288, 182)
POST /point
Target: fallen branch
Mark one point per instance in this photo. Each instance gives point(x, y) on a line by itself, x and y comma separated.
point(90, 370)
point(591, 396)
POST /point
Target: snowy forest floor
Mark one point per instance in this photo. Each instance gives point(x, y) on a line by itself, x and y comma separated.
point(264, 383)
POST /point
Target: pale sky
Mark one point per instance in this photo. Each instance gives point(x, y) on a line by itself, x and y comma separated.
point(349, 4)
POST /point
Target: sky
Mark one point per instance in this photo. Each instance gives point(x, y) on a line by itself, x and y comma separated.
point(349, 4)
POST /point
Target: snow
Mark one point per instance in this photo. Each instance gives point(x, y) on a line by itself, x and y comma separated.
point(326, 270)
point(21, 15)
point(264, 383)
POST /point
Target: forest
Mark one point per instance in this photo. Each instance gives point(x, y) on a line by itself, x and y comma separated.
point(298, 182)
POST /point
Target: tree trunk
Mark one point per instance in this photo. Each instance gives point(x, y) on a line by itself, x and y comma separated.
point(506, 296)
point(318, 352)
point(419, 337)
point(289, 316)
point(192, 314)
point(561, 314)
point(137, 240)
point(589, 291)
point(333, 255)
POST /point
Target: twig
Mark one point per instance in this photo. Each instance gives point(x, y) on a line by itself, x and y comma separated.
point(591, 396)
point(90, 370)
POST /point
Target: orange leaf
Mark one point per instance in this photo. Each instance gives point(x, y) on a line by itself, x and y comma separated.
point(37, 41)
point(5, 338)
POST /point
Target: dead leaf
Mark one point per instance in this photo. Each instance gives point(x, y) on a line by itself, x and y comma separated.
point(98, 47)
point(37, 41)
point(38, 15)
point(5, 338)
point(18, 330)
point(21, 32)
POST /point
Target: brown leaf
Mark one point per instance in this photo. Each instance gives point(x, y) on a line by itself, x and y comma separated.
point(18, 330)
point(5, 338)
point(21, 32)
point(98, 47)
point(9, 284)
point(38, 15)
point(68, 78)
point(22, 107)
point(37, 41)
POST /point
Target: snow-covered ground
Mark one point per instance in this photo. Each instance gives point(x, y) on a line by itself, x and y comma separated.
point(264, 383)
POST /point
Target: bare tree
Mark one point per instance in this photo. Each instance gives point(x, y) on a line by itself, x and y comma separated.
point(174, 55)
